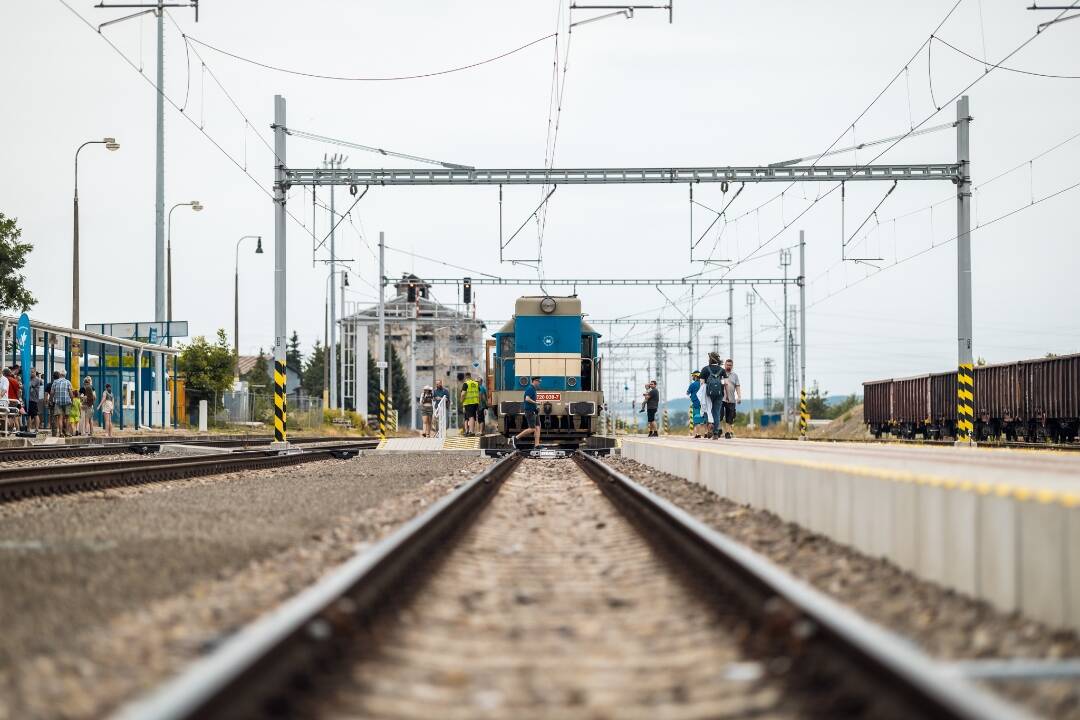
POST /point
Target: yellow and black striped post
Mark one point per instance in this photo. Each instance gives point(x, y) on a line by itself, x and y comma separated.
point(804, 414)
point(279, 402)
point(690, 418)
point(382, 415)
point(965, 402)
point(665, 422)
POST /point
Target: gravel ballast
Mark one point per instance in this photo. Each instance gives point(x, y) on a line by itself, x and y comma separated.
point(105, 593)
point(945, 624)
point(553, 605)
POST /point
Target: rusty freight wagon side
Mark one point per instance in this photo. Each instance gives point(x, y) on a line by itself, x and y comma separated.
point(1052, 398)
point(942, 405)
point(999, 399)
point(877, 406)
point(911, 405)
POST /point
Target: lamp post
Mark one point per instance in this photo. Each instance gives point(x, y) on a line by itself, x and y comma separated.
point(236, 301)
point(196, 206)
point(110, 144)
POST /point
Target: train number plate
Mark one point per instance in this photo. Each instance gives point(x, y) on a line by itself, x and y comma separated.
point(548, 396)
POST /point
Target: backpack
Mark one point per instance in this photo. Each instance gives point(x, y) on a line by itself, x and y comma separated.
point(714, 386)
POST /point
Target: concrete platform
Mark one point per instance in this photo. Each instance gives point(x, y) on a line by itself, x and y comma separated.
point(997, 524)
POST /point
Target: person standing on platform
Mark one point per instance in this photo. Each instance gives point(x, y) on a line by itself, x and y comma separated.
point(106, 407)
point(732, 397)
point(531, 408)
point(695, 402)
point(4, 385)
point(88, 399)
point(62, 401)
point(470, 402)
point(427, 403)
point(712, 394)
point(35, 408)
point(482, 410)
point(651, 403)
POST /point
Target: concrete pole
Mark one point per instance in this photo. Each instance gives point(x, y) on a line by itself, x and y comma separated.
point(750, 300)
point(802, 310)
point(381, 364)
point(731, 320)
point(341, 355)
point(965, 420)
point(280, 428)
point(785, 260)
point(412, 370)
point(159, 200)
point(332, 342)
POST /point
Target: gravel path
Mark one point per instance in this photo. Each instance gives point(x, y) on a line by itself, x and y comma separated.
point(553, 606)
point(945, 624)
point(104, 593)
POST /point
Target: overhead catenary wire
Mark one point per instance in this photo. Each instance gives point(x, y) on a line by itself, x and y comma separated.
point(371, 78)
point(303, 134)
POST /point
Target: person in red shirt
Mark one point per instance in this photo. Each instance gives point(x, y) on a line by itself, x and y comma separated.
point(14, 388)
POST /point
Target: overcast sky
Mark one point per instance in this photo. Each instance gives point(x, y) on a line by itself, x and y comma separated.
point(728, 83)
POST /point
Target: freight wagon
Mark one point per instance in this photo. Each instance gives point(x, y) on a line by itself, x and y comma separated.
point(1032, 400)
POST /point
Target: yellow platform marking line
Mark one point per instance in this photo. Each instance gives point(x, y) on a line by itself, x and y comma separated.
point(1045, 496)
point(460, 442)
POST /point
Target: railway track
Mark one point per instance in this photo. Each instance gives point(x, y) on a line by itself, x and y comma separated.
point(143, 446)
point(29, 481)
point(528, 593)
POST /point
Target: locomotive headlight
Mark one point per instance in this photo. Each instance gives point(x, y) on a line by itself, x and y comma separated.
point(547, 305)
point(547, 408)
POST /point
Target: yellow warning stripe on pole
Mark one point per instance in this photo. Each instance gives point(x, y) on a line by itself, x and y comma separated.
point(382, 414)
point(279, 402)
point(965, 402)
point(804, 414)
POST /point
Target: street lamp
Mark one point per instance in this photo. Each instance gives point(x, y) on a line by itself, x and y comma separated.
point(196, 206)
point(236, 300)
point(110, 144)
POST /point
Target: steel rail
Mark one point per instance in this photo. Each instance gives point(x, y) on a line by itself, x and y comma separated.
point(800, 619)
point(265, 659)
point(114, 446)
point(21, 482)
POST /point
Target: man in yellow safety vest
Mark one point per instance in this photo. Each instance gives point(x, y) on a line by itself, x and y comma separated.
point(470, 402)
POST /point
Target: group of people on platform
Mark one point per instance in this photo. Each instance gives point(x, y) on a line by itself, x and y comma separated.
point(714, 393)
point(70, 412)
point(472, 401)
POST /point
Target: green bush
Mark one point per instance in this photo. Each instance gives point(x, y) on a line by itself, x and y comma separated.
point(356, 420)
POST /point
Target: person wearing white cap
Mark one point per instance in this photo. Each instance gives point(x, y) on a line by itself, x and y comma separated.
point(427, 403)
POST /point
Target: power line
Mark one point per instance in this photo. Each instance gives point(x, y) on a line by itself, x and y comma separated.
point(389, 78)
point(1007, 69)
point(986, 224)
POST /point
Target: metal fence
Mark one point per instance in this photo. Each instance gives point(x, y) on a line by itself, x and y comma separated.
point(257, 408)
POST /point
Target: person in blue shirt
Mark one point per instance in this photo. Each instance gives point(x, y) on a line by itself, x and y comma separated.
point(531, 407)
point(695, 402)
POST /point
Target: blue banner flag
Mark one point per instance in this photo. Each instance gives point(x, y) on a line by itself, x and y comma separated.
point(22, 337)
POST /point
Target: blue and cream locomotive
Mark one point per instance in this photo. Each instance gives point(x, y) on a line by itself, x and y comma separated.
point(549, 339)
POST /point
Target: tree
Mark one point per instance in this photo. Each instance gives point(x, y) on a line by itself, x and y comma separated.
point(293, 357)
point(402, 401)
point(13, 292)
point(259, 374)
point(208, 367)
point(312, 376)
point(372, 386)
point(817, 402)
